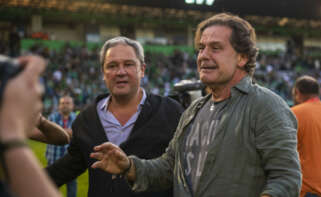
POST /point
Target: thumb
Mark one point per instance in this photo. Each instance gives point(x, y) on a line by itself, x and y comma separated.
point(100, 165)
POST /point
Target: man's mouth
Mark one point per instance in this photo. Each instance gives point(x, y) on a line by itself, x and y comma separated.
point(121, 82)
point(208, 67)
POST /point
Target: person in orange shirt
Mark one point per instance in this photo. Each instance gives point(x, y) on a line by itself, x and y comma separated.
point(307, 110)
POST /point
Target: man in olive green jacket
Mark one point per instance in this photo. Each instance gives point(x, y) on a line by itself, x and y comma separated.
point(239, 141)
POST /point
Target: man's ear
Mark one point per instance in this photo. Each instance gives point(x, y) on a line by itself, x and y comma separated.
point(299, 96)
point(142, 69)
point(242, 60)
point(297, 92)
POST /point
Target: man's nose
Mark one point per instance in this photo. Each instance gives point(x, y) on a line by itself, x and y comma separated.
point(203, 54)
point(121, 70)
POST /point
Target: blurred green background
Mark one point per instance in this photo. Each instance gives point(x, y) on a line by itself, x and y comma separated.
point(39, 150)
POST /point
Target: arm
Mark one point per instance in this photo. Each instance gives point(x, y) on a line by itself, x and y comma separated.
point(22, 163)
point(71, 165)
point(19, 108)
point(276, 142)
point(153, 174)
point(66, 169)
point(49, 132)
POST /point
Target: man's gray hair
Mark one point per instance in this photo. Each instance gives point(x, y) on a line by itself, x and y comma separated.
point(138, 48)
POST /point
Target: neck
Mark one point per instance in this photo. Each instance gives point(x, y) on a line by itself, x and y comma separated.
point(221, 92)
point(126, 101)
point(312, 98)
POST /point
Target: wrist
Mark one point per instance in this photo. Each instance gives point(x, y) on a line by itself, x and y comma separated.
point(9, 144)
point(131, 174)
point(9, 149)
point(10, 137)
point(126, 171)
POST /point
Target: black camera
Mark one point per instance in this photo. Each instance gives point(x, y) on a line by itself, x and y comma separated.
point(186, 91)
point(9, 68)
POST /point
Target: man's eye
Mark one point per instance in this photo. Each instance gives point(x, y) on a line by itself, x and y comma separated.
point(111, 66)
point(129, 64)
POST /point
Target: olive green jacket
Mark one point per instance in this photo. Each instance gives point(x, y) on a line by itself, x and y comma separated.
point(254, 151)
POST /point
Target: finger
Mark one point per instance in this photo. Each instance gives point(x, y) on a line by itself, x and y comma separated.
point(98, 164)
point(34, 115)
point(34, 66)
point(38, 108)
point(95, 165)
point(104, 147)
point(39, 90)
point(97, 155)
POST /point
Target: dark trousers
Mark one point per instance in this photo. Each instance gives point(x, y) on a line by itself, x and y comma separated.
point(72, 188)
point(308, 194)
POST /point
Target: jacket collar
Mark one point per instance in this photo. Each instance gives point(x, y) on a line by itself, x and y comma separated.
point(92, 118)
point(243, 86)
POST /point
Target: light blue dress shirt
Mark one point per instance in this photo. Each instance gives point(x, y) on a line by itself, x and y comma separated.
point(115, 132)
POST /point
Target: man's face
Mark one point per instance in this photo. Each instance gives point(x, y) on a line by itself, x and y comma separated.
point(122, 71)
point(66, 105)
point(217, 61)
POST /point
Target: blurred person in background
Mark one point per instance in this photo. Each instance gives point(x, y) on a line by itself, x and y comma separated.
point(20, 106)
point(307, 109)
point(64, 118)
point(140, 123)
point(238, 141)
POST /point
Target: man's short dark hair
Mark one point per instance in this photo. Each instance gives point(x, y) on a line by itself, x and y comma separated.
point(307, 85)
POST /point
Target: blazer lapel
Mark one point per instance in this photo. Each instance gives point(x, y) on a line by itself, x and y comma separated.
point(95, 128)
point(144, 115)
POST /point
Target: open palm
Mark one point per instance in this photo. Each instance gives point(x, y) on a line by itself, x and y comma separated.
point(110, 158)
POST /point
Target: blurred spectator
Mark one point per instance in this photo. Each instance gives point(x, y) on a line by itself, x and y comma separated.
point(64, 117)
point(306, 92)
point(75, 69)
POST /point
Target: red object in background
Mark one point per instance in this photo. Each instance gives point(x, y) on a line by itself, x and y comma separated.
point(40, 35)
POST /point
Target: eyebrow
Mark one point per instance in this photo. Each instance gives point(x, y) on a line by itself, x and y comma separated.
point(130, 61)
point(116, 62)
point(214, 42)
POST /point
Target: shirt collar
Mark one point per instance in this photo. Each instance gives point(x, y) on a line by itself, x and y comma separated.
point(244, 85)
point(313, 99)
point(105, 104)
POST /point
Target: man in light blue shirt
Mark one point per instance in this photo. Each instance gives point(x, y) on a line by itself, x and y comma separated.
point(140, 123)
point(116, 132)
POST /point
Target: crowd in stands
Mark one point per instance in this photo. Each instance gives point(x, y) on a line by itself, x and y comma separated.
point(77, 70)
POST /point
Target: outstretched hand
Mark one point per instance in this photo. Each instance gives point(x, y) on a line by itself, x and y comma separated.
point(110, 158)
